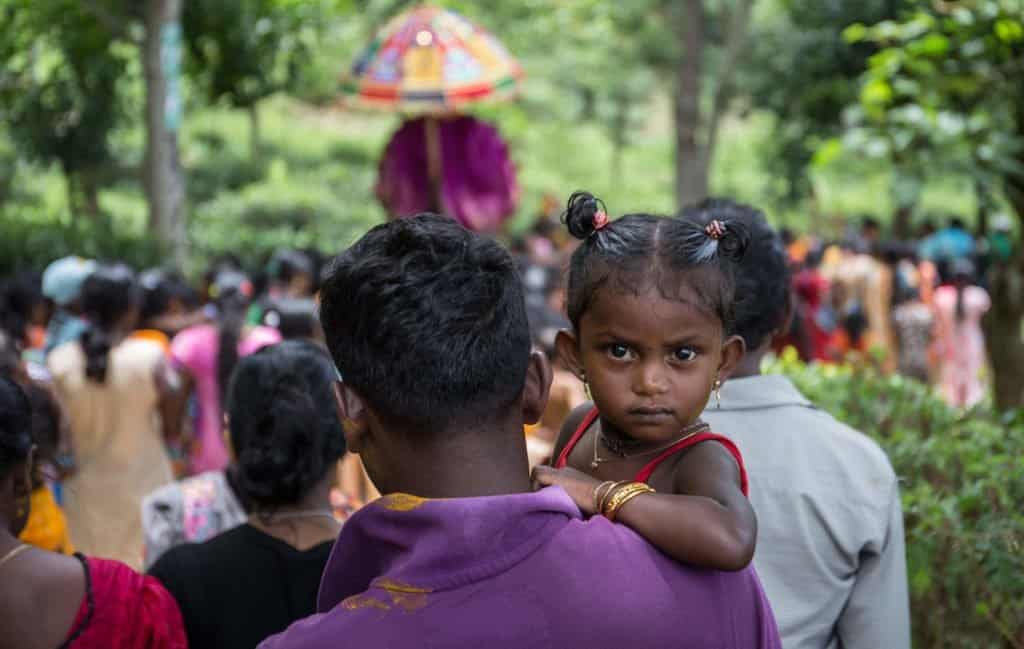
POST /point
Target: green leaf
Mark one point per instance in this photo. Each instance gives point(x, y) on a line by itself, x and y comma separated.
point(1008, 30)
point(855, 33)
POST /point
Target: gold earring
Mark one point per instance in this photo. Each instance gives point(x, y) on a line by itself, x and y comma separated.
point(348, 425)
point(586, 386)
point(718, 394)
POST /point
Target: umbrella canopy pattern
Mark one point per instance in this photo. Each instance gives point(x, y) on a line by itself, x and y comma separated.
point(429, 59)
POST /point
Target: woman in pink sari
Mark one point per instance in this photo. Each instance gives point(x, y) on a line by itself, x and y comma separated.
point(960, 343)
point(206, 356)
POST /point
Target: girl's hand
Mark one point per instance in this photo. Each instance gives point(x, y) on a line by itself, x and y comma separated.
point(577, 484)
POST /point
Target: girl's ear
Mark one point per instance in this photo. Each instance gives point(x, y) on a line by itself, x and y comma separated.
point(568, 347)
point(353, 415)
point(733, 350)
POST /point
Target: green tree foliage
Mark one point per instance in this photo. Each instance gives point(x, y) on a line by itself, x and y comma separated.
point(948, 80)
point(59, 81)
point(805, 73)
point(244, 51)
point(962, 482)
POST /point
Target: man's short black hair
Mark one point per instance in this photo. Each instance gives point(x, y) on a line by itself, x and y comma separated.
point(427, 322)
point(763, 293)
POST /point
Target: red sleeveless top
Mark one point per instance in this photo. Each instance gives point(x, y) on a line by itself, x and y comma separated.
point(678, 447)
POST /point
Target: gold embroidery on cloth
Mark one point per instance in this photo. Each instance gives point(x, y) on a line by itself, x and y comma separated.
point(402, 502)
point(364, 601)
point(407, 596)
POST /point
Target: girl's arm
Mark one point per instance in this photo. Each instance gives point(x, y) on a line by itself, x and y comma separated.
point(708, 522)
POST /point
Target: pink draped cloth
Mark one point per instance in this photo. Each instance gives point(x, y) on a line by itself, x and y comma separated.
point(130, 611)
point(478, 185)
point(195, 349)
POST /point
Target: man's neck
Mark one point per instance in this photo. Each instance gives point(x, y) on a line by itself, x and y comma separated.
point(750, 364)
point(487, 463)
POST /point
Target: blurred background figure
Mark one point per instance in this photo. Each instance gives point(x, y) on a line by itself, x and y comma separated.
point(89, 603)
point(120, 395)
point(206, 355)
point(960, 342)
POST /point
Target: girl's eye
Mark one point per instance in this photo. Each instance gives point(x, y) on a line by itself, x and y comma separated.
point(685, 354)
point(618, 351)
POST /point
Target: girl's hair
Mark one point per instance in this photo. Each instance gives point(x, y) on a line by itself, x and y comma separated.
point(15, 425)
point(284, 426)
point(109, 294)
point(641, 251)
point(232, 293)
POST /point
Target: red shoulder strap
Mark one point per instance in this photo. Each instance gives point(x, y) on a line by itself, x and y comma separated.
point(563, 457)
point(645, 473)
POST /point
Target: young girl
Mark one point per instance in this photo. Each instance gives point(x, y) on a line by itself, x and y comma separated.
point(650, 300)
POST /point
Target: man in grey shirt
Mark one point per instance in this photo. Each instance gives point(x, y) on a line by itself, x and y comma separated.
point(830, 548)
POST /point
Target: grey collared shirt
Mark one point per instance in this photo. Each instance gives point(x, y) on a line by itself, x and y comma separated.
point(830, 547)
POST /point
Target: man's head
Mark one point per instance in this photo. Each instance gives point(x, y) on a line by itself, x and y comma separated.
point(427, 324)
point(762, 305)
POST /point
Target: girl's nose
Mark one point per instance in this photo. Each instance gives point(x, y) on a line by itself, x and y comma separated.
point(651, 379)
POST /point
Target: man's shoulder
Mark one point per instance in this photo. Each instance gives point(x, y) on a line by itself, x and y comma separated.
point(794, 420)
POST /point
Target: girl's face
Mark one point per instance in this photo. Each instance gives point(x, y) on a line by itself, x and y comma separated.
point(651, 362)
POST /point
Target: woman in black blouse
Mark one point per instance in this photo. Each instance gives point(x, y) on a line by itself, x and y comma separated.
point(253, 581)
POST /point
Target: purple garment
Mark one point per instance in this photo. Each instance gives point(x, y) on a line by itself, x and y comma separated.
point(519, 571)
point(478, 178)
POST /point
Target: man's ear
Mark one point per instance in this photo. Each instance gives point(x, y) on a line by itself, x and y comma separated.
point(353, 415)
point(733, 350)
point(537, 387)
point(568, 347)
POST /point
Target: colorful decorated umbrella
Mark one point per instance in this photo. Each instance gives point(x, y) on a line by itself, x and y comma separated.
point(434, 62)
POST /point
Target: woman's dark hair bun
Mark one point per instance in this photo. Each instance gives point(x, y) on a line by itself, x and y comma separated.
point(285, 454)
point(581, 213)
point(284, 428)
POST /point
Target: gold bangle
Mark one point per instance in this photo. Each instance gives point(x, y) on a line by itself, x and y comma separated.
point(606, 496)
point(622, 496)
point(597, 493)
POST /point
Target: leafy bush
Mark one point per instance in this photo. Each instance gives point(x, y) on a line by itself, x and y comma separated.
point(31, 245)
point(962, 481)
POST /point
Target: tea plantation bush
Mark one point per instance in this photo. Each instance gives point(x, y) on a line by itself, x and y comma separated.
point(962, 481)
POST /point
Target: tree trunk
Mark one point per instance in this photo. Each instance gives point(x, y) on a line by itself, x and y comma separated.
point(165, 185)
point(691, 156)
point(1003, 321)
point(255, 138)
point(1003, 334)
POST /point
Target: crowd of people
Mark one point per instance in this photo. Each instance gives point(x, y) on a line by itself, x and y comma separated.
point(573, 435)
point(914, 307)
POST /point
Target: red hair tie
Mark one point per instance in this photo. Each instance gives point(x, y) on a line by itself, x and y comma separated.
point(600, 220)
point(715, 230)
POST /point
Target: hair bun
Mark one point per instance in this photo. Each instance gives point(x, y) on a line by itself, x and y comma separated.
point(581, 214)
point(733, 245)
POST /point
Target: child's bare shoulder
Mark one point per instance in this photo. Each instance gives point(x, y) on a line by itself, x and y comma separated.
point(569, 428)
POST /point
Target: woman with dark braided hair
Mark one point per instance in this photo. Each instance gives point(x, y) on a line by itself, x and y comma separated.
point(253, 581)
point(207, 354)
point(960, 341)
point(89, 603)
point(113, 388)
